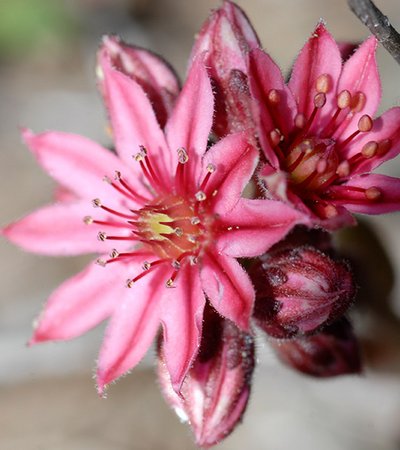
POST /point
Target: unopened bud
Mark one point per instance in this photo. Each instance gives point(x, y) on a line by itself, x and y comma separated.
point(331, 352)
point(216, 389)
point(299, 290)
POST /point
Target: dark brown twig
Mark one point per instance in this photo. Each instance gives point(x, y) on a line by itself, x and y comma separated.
point(378, 24)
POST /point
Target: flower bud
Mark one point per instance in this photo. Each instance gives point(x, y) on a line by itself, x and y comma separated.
point(215, 392)
point(331, 352)
point(225, 40)
point(299, 290)
point(150, 71)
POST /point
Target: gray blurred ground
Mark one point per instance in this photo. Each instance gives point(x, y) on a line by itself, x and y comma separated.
point(47, 397)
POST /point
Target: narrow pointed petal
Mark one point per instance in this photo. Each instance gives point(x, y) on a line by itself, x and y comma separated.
point(255, 225)
point(226, 38)
point(182, 305)
point(133, 120)
point(234, 159)
point(278, 113)
point(190, 123)
point(320, 56)
point(228, 287)
point(386, 133)
point(360, 74)
point(57, 229)
point(81, 303)
point(382, 194)
point(77, 163)
point(156, 77)
point(132, 327)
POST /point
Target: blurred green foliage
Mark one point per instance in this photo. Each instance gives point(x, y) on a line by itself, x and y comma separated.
point(24, 24)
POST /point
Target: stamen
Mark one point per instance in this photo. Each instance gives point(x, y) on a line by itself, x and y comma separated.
point(320, 100)
point(102, 236)
point(344, 99)
point(343, 169)
point(364, 126)
point(101, 262)
point(373, 193)
point(323, 84)
point(343, 102)
point(210, 170)
point(365, 123)
point(200, 196)
point(296, 162)
point(114, 253)
point(109, 223)
point(383, 147)
point(275, 137)
point(321, 166)
point(135, 195)
point(358, 102)
point(147, 267)
point(183, 158)
point(88, 220)
point(300, 120)
point(370, 149)
point(97, 204)
point(273, 97)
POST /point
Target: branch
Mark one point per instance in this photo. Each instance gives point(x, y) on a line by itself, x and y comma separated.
point(378, 25)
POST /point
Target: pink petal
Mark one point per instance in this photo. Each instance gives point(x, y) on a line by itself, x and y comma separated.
point(58, 229)
point(241, 24)
point(133, 121)
point(228, 287)
point(318, 57)
point(77, 163)
point(234, 159)
point(227, 35)
point(182, 316)
point(132, 327)
point(190, 123)
point(253, 226)
point(388, 201)
point(265, 75)
point(226, 38)
point(150, 71)
point(385, 127)
point(81, 303)
point(360, 74)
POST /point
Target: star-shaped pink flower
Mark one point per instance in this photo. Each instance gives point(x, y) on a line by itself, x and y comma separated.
point(318, 133)
point(170, 205)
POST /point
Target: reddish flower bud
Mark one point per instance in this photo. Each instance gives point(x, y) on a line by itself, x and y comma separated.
point(334, 351)
point(226, 37)
point(150, 71)
point(299, 290)
point(215, 392)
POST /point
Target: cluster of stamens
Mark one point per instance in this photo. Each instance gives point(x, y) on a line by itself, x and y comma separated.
point(314, 162)
point(171, 223)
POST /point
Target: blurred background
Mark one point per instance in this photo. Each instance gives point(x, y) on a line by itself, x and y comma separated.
point(48, 397)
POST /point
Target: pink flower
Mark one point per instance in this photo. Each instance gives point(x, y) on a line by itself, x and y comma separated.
point(318, 133)
point(300, 290)
point(226, 38)
point(216, 390)
point(173, 211)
